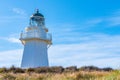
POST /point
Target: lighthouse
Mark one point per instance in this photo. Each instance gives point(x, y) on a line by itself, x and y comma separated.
point(36, 41)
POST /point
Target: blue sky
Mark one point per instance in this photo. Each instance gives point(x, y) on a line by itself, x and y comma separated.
point(85, 32)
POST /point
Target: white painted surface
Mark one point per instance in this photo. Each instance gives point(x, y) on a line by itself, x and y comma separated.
point(35, 54)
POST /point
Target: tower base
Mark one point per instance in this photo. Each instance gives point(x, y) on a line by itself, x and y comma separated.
point(35, 54)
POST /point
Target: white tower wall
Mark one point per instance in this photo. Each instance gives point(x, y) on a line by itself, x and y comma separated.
point(35, 54)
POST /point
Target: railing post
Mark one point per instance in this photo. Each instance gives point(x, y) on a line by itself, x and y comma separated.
point(21, 34)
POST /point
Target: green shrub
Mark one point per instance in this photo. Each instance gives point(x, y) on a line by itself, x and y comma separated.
point(107, 69)
point(19, 70)
point(71, 69)
point(30, 70)
point(42, 70)
point(89, 68)
point(56, 69)
point(12, 68)
point(16, 70)
point(3, 70)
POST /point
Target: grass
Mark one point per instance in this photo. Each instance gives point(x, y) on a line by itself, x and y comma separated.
point(59, 73)
point(80, 75)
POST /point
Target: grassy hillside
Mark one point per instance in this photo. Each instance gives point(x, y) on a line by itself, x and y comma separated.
point(59, 73)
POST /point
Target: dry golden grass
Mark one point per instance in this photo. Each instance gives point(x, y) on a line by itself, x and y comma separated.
point(79, 75)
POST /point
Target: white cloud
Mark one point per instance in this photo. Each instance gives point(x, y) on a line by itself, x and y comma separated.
point(19, 11)
point(111, 21)
point(114, 21)
point(21, 15)
point(11, 39)
point(98, 50)
point(10, 57)
point(93, 22)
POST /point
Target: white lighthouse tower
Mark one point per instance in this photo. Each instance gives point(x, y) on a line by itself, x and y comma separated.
point(36, 41)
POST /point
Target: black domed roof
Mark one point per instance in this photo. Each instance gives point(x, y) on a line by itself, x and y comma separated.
point(37, 13)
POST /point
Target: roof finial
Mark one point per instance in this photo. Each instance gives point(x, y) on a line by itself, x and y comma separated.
point(37, 10)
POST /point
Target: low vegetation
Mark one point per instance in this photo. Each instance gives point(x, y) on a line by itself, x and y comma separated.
point(59, 73)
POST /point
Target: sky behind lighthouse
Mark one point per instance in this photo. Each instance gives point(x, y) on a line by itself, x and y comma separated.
point(85, 32)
